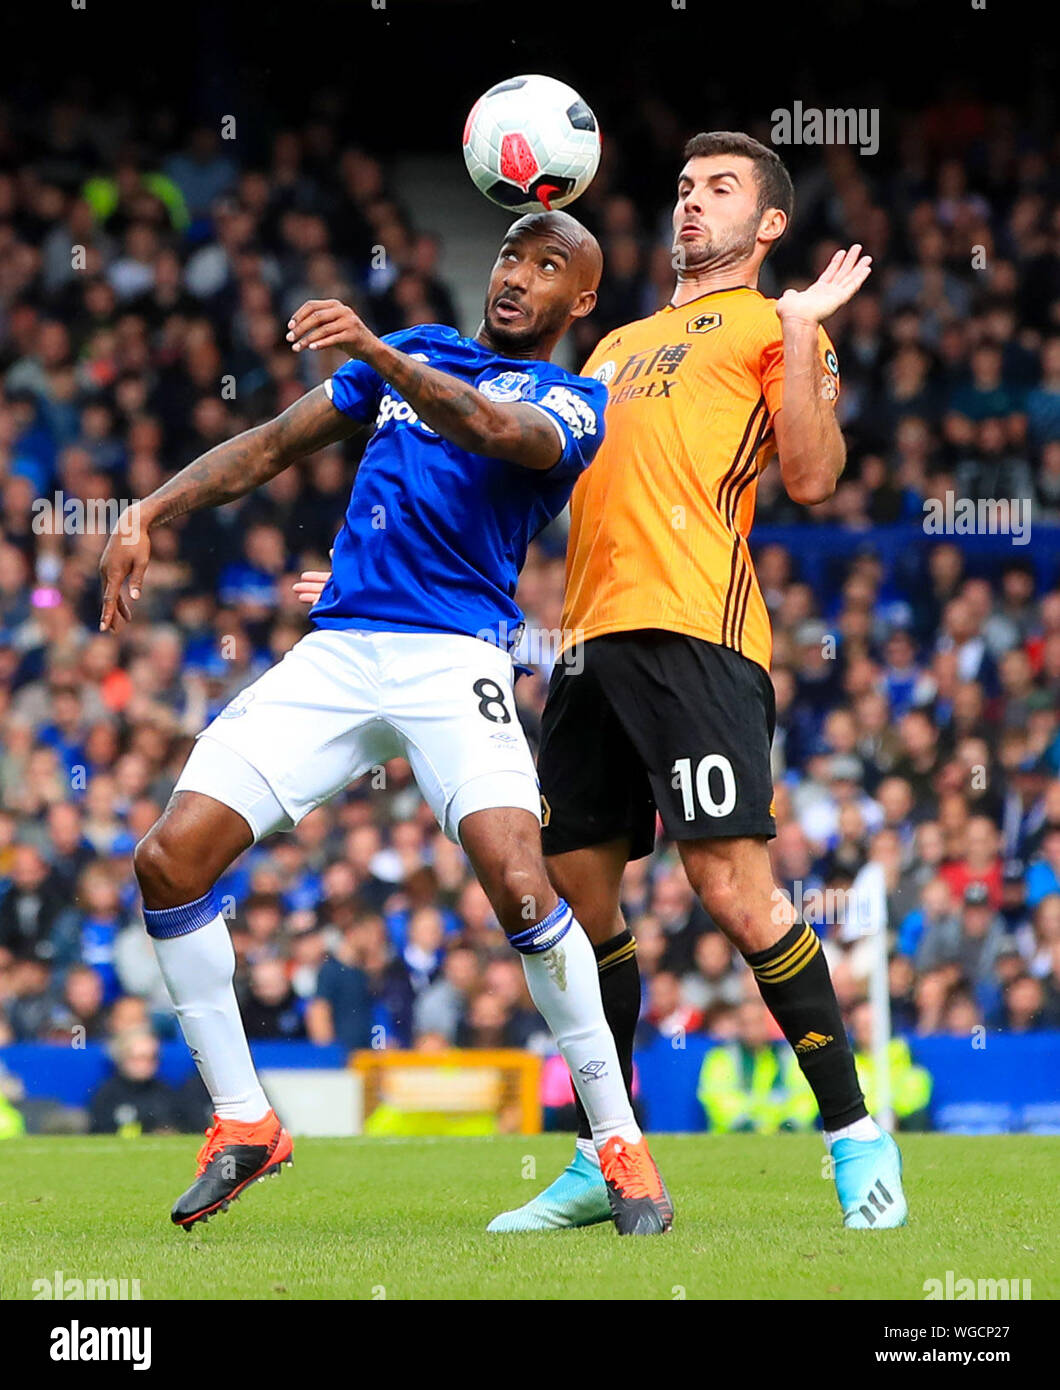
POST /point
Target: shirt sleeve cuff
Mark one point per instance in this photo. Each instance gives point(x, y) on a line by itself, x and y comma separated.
point(563, 441)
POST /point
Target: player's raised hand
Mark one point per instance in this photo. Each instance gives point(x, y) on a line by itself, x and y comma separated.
point(327, 323)
point(840, 280)
point(310, 585)
point(125, 557)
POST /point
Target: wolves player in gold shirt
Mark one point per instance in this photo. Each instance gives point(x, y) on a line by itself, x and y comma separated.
point(669, 708)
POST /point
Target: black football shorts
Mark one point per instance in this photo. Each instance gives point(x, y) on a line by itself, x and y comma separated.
point(651, 721)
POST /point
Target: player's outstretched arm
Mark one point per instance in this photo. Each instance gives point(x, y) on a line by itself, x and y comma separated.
point(809, 440)
point(222, 474)
point(516, 432)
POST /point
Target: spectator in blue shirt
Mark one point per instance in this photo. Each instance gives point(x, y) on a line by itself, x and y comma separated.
point(1043, 402)
point(341, 1011)
point(1043, 876)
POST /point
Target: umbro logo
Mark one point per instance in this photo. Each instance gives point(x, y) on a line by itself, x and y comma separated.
point(813, 1042)
point(880, 1199)
point(593, 1070)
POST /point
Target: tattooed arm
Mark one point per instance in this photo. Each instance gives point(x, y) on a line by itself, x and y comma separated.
point(222, 474)
point(517, 432)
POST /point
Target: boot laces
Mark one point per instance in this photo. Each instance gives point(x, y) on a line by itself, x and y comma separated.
point(631, 1171)
point(215, 1142)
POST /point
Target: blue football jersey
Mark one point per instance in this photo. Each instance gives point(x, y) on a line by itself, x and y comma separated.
point(434, 537)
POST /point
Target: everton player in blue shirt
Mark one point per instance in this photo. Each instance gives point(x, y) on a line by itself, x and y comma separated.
point(476, 446)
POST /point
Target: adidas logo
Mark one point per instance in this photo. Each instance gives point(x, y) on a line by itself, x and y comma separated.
point(813, 1042)
point(875, 1201)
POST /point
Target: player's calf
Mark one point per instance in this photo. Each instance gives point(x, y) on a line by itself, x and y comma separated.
point(562, 976)
point(735, 884)
point(176, 865)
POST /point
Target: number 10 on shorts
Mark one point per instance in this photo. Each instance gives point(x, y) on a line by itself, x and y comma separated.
point(697, 786)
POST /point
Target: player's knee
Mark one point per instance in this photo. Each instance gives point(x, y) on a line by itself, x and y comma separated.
point(520, 896)
point(718, 888)
point(734, 882)
point(166, 877)
point(720, 898)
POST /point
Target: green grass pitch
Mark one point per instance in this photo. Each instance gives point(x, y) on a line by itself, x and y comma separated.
point(400, 1219)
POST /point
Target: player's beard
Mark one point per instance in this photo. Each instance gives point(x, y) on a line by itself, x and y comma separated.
point(736, 246)
point(521, 339)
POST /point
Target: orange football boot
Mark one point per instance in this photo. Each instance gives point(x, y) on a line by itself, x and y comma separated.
point(640, 1203)
point(235, 1155)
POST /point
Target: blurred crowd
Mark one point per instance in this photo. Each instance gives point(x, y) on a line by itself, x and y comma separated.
point(144, 286)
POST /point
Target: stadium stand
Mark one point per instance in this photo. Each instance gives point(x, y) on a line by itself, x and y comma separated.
point(143, 292)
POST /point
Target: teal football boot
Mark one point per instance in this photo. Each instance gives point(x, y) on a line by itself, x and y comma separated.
point(868, 1183)
point(578, 1197)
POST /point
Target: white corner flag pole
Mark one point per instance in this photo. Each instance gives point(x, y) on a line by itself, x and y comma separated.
point(870, 922)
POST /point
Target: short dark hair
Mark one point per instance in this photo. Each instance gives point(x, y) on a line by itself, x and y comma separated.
point(774, 182)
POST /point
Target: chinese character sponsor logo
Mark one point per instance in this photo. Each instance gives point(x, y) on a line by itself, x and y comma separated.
point(658, 362)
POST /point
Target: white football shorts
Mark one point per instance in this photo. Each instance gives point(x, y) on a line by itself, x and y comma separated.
point(343, 701)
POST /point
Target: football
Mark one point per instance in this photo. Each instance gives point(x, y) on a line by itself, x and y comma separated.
point(531, 143)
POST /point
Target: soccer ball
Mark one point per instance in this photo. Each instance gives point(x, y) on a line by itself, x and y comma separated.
point(531, 142)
